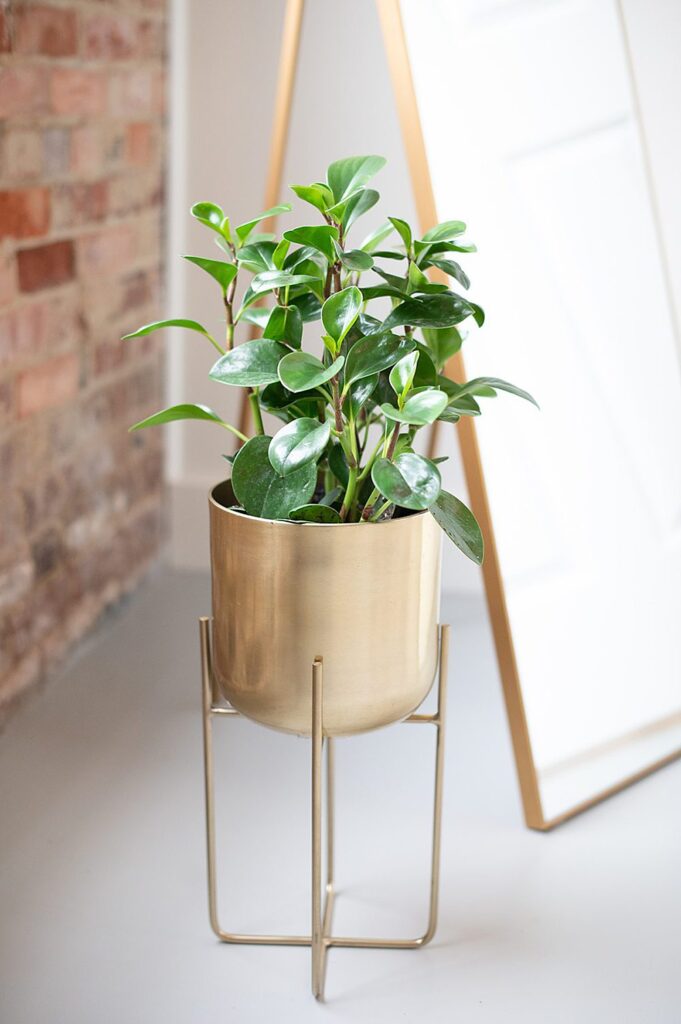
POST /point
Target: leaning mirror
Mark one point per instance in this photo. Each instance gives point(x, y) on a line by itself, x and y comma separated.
point(562, 163)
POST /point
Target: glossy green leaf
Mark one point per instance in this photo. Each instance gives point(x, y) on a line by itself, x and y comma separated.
point(211, 215)
point(417, 279)
point(430, 311)
point(223, 273)
point(251, 364)
point(346, 176)
point(358, 205)
point(375, 237)
point(425, 250)
point(380, 291)
point(446, 230)
point(355, 259)
point(420, 408)
point(309, 307)
point(182, 412)
point(411, 481)
point(258, 257)
point(298, 443)
point(452, 268)
point(319, 196)
point(373, 354)
point(315, 514)
point(270, 280)
point(479, 384)
point(280, 252)
point(318, 236)
point(449, 416)
point(464, 405)
point(360, 393)
point(339, 313)
point(402, 374)
point(244, 230)
point(338, 464)
point(403, 230)
point(460, 525)
point(157, 325)
point(299, 371)
point(258, 315)
point(285, 324)
point(260, 490)
point(443, 343)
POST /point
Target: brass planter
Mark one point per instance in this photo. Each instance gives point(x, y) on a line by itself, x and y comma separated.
point(363, 596)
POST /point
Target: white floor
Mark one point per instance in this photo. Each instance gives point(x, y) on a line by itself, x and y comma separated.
point(102, 886)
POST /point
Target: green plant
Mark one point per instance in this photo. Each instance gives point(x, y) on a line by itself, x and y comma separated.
point(345, 452)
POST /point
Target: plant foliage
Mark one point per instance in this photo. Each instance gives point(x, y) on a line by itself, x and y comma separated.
point(350, 413)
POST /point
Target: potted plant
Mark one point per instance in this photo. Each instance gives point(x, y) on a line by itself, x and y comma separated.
point(326, 539)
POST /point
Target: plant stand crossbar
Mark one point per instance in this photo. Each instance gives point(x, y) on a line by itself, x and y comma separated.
point(320, 938)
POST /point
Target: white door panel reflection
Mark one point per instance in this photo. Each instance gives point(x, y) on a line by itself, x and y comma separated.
point(543, 155)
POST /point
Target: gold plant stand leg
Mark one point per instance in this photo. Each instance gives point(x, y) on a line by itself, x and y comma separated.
point(320, 937)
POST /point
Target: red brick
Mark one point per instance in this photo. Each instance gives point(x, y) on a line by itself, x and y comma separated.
point(56, 150)
point(5, 31)
point(132, 93)
point(80, 203)
point(45, 266)
point(24, 212)
point(27, 332)
point(23, 90)
point(139, 143)
point(8, 280)
point(50, 31)
point(86, 150)
point(49, 384)
point(74, 91)
point(107, 251)
point(152, 39)
point(22, 154)
point(110, 36)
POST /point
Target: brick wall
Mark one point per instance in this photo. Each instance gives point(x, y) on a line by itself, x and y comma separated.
point(81, 180)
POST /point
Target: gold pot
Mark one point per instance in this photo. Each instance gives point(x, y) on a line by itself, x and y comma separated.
point(363, 596)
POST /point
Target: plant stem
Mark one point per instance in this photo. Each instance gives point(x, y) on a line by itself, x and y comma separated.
point(233, 430)
point(338, 415)
point(370, 461)
point(379, 511)
point(349, 493)
point(369, 507)
point(254, 403)
point(390, 450)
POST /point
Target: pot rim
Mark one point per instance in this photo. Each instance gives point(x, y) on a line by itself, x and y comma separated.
point(212, 500)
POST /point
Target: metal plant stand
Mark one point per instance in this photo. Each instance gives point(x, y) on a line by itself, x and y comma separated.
point(320, 938)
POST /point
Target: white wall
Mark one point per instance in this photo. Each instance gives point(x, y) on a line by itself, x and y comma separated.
point(224, 60)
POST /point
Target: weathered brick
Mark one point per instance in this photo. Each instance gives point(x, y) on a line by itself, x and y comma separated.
point(56, 150)
point(8, 279)
point(23, 90)
point(24, 212)
point(22, 153)
point(80, 496)
point(139, 146)
point(49, 31)
point(76, 91)
point(111, 36)
point(106, 251)
point(5, 30)
point(135, 193)
point(132, 93)
point(79, 203)
point(47, 385)
point(30, 330)
point(86, 150)
point(45, 266)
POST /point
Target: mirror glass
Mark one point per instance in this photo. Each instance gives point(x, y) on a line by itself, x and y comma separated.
point(542, 152)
